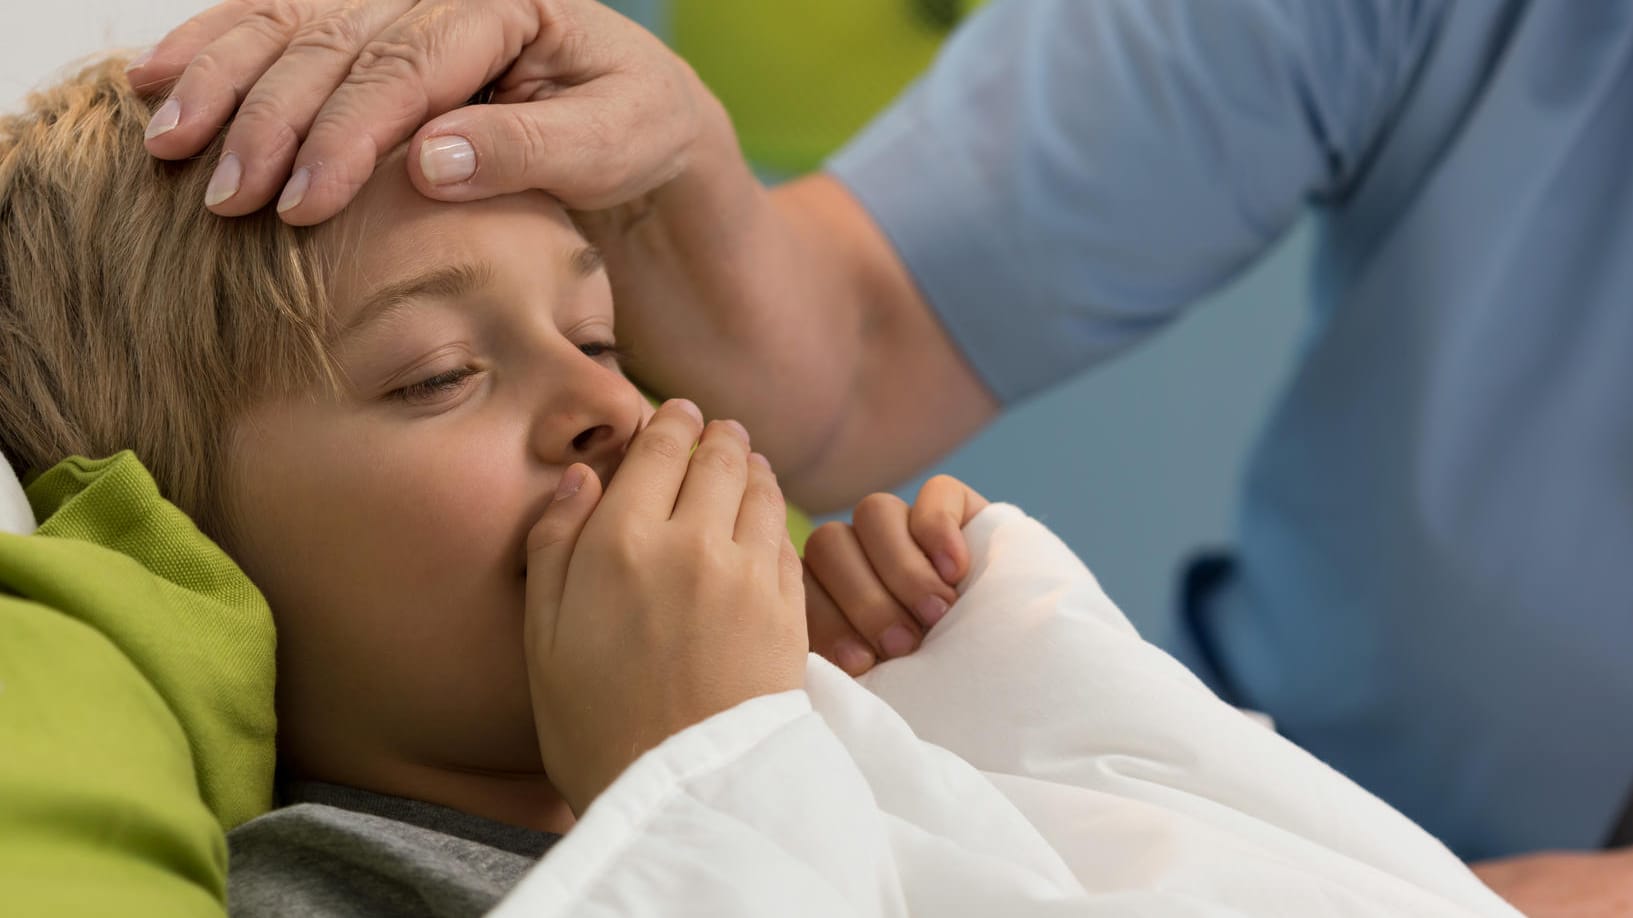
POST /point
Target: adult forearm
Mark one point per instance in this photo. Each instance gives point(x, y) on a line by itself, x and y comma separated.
point(790, 311)
point(736, 297)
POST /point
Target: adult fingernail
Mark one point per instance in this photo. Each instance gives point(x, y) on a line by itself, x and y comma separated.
point(688, 406)
point(760, 460)
point(447, 159)
point(897, 641)
point(295, 191)
point(224, 183)
point(165, 119)
point(853, 657)
point(139, 61)
point(738, 429)
point(945, 566)
point(931, 609)
point(571, 481)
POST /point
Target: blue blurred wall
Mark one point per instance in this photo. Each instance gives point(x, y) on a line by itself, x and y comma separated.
point(1136, 464)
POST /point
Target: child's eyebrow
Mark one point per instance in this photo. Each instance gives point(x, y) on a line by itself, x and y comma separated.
point(446, 281)
point(450, 282)
point(586, 261)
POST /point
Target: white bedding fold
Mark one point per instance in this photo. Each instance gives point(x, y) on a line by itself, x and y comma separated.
point(1034, 758)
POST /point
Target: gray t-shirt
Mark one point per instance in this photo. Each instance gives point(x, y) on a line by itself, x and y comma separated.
point(338, 851)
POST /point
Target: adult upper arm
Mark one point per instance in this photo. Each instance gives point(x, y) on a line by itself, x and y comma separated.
point(912, 394)
point(1070, 175)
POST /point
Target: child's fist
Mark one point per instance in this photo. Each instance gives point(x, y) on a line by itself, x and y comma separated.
point(669, 597)
point(875, 586)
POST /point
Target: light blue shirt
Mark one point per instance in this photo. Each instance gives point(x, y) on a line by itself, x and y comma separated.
point(1435, 582)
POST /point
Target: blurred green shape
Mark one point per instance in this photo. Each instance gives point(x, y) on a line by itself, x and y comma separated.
point(800, 77)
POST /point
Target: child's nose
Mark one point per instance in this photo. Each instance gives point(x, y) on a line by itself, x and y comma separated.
point(590, 423)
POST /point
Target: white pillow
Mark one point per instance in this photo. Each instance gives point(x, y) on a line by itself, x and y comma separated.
point(15, 515)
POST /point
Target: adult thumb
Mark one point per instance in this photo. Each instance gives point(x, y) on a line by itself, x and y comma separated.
point(562, 145)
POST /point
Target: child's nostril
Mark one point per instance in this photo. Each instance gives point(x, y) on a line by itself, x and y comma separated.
point(584, 440)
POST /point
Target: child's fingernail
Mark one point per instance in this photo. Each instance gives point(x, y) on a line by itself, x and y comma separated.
point(447, 160)
point(945, 567)
point(931, 609)
point(688, 406)
point(897, 641)
point(224, 183)
point(164, 120)
point(571, 481)
point(760, 460)
point(737, 428)
point(295, 191)
point(139, 61)
point(853, 657)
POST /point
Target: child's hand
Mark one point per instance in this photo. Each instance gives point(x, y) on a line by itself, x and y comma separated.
point(872, 588)
point(671, 598)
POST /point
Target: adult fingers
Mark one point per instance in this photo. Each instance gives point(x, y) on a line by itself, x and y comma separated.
point(831, 635)
point(944, 506)
point(649, 480)
point(593, 147)
point(278, 111)
point(836, 558)
point(426, 63)
point(160, 65)
point(880, 523)
point(550, 545)
point(220, 73)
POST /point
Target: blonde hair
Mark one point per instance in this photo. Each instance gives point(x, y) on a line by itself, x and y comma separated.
point(131, 317)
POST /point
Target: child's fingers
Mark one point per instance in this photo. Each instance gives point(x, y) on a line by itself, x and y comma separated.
point(712, 492)
point(880, 522)
point(835, 557)
point(762, 527)
point(655, 464)
point(830, 634)
point(762, 520)
point(790, 579)
point(937, 522)
point(551, 541)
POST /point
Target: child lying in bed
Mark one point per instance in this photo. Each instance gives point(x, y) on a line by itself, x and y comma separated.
point(517, 614)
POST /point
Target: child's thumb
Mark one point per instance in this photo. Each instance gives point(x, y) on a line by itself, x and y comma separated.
point(551, 541)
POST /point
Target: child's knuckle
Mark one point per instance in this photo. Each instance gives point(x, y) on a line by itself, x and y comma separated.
point(878, 508)
point(660, 445)
point(825, 538)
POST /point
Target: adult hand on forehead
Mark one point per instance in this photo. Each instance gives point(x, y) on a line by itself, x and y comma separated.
point(587, 105)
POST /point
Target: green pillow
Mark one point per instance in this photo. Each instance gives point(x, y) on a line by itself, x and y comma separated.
point(136, 701)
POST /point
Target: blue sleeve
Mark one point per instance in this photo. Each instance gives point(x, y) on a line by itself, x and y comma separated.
point(1071, 173)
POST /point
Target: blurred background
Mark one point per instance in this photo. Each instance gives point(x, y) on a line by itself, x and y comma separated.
point(1135, 464)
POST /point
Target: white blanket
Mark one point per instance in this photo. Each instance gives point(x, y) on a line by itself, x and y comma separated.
point(1035, 757)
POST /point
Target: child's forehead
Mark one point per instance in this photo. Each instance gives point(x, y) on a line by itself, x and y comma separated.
point(389, 204)
point(391, 227)
point(391, 234)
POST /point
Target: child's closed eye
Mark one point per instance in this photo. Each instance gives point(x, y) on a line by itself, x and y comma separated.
point(427, 390)
point(607, 351)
